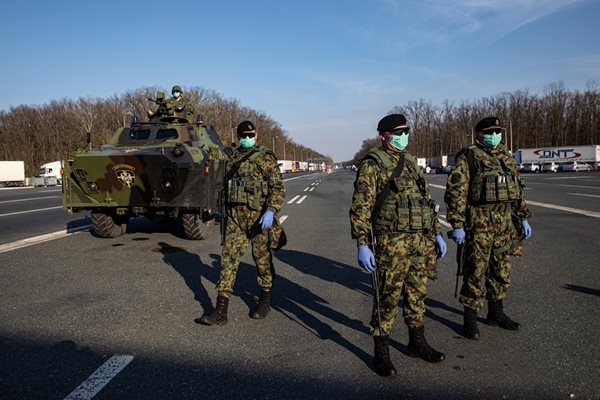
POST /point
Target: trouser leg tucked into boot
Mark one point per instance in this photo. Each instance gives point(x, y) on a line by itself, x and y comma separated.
point(262, 308)
point(219, 315)
point(470, 326)
point(381, 362)
point(496, 316)
point(418, 346)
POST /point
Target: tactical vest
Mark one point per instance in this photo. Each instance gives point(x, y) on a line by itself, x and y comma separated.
point(493, 179)
point(248, 185)
point(407, 208)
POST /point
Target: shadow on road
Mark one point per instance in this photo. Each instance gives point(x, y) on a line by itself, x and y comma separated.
point(582, 289)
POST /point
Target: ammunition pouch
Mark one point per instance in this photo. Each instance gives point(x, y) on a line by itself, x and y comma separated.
point(249, 193)
point(487, 189)
point(406, 215)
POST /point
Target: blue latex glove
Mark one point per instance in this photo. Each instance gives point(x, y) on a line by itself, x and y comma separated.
point(441, 246)
point(266, 221)
point(526, 229)
point(366, 258)
point(458, 235)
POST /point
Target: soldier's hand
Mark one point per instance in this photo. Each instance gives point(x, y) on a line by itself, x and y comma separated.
point(441, 246)
point(366, 258)
point(526, 229)
point(266, 221)
point(458, 235)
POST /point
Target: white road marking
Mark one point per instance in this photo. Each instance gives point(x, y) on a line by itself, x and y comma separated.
point(302, 199)
point(282, 218)
point(29, 211)
point(293, 199)
point(41, 239)
point(298, 177)
point(306, 189)
point(311, 189)
point(32, 198)
point(437, 186)
point(567, 209)
point(313, 184)
point(564, 184)
point(443, 222)
point(585, 195)
point(100, 378)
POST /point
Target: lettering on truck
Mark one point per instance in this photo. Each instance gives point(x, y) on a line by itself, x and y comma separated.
point(564, 154)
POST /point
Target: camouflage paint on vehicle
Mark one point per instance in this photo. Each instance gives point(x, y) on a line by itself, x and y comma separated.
point(168, 167)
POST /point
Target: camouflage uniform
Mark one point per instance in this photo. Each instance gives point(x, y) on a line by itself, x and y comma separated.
point(179, 103)
point(404, 233)
point(487, 205)
point(255, 187)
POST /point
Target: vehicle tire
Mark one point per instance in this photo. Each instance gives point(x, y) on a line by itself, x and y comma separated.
point(195, 228)
point(105, 226)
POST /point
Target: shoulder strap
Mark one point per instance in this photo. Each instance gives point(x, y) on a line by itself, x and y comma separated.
point(237, 164)
point(387, 188)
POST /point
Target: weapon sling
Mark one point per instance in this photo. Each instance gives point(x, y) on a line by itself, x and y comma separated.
point(381, 198)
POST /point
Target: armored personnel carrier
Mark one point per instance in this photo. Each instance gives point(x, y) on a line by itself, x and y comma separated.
point(169, 167)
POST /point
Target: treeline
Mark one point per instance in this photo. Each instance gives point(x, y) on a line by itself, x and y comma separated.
point(557, 117)
point(38, 134)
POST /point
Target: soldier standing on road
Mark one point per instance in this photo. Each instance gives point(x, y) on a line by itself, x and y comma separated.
point(392, 205)
point(255, 194)
point(487, 211)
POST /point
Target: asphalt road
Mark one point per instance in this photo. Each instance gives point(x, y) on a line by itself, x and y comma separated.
point(69, 305)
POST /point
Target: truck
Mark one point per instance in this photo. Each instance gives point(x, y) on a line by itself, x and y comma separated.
point(589, 154)
point(12, 173)
point(51, 169)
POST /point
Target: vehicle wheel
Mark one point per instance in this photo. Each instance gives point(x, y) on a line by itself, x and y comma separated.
point(105, 225)
point(195, 228)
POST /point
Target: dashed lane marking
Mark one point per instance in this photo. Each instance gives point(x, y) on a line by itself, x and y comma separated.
point(584, 195)
point(302, 199)
point(30, 199)
point(100, 378)
point(282, 218)
point(30, 211)
point(311, 189)
point(592, 214)
point(305, 189)
point(293, 199)
point(41, 239)
point(442, 220)
point(437, 186)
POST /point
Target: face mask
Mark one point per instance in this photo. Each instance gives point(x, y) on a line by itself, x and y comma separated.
point(176, 94)
point(399, 141)
point(247, 142)
point(492, 140)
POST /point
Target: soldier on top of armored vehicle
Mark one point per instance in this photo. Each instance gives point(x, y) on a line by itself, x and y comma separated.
point(169, 107)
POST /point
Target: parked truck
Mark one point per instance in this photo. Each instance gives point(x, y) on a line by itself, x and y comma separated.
point(589, 154)
point(52, 169)
point(12, 173)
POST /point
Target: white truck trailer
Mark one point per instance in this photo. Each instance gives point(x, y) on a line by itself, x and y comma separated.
point(12, 173)
point(589, 154)
point(51, 169)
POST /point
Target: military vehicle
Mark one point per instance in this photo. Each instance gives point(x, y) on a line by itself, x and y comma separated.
point(169, 167)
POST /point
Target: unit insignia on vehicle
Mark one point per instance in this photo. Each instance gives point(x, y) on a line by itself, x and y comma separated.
point(125, 174)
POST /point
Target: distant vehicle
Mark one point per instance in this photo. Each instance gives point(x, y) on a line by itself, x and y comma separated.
point(531, 167)
point(443, 170)
point(575, 166)
point(520, 167)
point(12, 173)
point(551, 167)
point(52, 169)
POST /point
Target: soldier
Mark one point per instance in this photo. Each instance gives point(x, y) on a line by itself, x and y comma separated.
point(392, 204)
point(255, 194)
point(487, 211)
point(178, 102)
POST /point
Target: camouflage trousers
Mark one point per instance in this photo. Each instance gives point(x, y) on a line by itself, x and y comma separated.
point(489, 242)
point(401, 269)
point(242, 227)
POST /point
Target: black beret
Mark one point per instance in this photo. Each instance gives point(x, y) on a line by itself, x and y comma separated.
point(391, 121)
point(488, 123)
point(245, 126)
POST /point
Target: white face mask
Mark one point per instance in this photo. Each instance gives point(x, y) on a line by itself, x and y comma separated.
point(176, 94)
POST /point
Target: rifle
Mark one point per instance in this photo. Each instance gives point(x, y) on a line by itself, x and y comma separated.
point(375, 279)
point(461, 254)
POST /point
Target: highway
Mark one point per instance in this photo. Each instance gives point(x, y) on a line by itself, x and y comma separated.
point(85, 317)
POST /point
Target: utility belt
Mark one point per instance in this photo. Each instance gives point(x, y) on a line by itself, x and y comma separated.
point(407, 215)
point(250, 193)
point(495, 189)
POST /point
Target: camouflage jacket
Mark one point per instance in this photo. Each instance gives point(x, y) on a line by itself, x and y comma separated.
point(371, 179)
point(459, 188)
point(257, 181)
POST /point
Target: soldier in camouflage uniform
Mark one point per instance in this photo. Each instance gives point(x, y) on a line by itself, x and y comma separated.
point(487, 211)
point(168, 107)
point(255, 194)
point(406, 230)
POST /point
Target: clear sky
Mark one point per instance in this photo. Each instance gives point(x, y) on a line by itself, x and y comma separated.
point(326, 70)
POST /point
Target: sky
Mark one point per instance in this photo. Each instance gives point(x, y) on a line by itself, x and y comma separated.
point(326, 70)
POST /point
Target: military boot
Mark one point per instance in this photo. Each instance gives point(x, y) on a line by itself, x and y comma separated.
point(219, 315)
point(381, 362)
point(418, 346)
point(496, 316)
point(470, 327)
point(262, 308)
